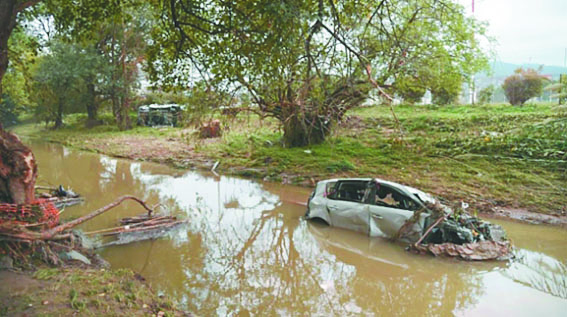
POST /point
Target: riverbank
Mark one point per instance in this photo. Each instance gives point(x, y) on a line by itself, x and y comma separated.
point(500, 159)
point(81, 291)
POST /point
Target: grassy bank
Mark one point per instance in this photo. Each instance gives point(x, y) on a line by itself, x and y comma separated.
point(83, 292)
point(494, 155)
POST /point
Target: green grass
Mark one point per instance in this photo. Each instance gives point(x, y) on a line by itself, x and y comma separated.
point(488, 155)
point(86, 292)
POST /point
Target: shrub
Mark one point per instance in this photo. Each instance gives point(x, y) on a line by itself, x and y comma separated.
point(523, 85)
point(485, 95)
point(8, 111)
point(410, 89)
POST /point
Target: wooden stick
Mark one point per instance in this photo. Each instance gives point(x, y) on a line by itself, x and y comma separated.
point(45, 187)
point(50, 233)
point(144, 228)
point(119, 227)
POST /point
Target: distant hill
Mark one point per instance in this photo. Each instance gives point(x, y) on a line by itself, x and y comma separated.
point(501, 70)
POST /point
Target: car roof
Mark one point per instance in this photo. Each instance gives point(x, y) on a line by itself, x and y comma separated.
point(424, 197)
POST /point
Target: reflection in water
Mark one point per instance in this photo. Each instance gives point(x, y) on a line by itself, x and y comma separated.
point(540, 272)
point(245, 250)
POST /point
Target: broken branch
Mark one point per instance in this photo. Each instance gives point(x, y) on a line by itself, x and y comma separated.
point(49, 234)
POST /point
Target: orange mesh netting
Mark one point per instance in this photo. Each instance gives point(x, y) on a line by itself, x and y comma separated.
point(40, 211)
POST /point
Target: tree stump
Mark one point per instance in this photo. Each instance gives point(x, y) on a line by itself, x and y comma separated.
point(211, 129)
point(18, 170)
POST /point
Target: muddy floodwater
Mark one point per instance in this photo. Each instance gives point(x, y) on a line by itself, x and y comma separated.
point(246, 250)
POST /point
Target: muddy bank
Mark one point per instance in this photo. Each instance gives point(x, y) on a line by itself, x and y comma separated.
point(78, 291)
point(526, 216)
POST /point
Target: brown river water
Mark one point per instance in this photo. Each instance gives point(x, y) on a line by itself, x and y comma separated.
point(246, 250)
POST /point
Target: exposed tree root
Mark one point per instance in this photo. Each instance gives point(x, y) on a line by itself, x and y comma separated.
point(27, 242)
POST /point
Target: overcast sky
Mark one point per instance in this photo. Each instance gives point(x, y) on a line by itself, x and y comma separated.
point(526, 31)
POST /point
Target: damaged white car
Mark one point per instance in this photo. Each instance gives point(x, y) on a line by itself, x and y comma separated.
point(381, 208)
point(372, 206)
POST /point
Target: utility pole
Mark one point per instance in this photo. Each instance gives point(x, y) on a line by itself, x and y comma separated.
point(472, 87)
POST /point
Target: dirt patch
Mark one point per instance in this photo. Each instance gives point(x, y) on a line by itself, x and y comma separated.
point(353, 123)
point(17, 283)
point(161, 150)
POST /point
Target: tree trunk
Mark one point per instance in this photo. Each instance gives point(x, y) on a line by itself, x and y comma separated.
point(125, 102)
point(92, 107)
point(9, 10)
point(18, 170)
point(301, 129)
point(8, 15)
point(59, 115)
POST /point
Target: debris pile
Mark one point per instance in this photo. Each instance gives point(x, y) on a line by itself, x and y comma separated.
point(460, 235)
point(59, 196)
point(463, 229)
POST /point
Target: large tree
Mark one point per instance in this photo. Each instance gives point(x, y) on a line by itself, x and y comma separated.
point(18, 170)
point(9, 11)
point(118, 32)
point(307, 62)
point(65, 79)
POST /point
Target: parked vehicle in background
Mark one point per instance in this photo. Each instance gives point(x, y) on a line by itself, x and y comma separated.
point(160, 115)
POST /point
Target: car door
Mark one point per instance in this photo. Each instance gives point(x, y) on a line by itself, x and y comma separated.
point(345, 206)
point(386, 218)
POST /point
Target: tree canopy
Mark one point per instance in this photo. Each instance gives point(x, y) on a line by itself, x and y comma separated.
point(523, 85)
point(306, 62)
point(303, 62)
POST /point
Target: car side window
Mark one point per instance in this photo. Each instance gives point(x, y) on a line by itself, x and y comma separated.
point(389, 197)
point(330, 189)
point(348, 191)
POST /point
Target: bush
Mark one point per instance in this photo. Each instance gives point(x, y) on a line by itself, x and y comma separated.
point(523, 85)
point(485, 95)
point(410, 89)
point(445, 95)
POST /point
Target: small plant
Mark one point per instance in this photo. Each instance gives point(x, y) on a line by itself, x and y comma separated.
point(45, 274)
point(74, 300)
